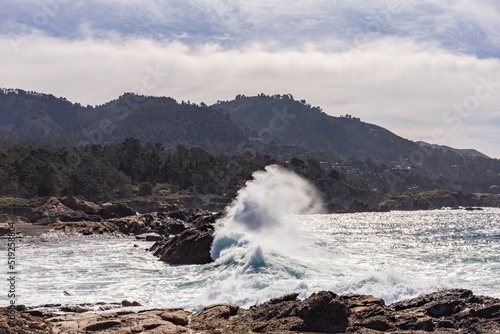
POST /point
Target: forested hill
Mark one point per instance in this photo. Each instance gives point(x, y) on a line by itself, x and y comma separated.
point(298, 123)
point(33, 117)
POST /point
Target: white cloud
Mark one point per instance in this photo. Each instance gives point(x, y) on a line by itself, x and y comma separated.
point(400, 64)
point(405, 86)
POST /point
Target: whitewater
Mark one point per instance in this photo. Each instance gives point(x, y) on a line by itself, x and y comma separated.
point(273, 240)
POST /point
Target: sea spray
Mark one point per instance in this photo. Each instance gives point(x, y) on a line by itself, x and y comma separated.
point(257, 217)
point(255, 239)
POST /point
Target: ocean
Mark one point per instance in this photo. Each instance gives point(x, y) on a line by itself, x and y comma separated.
point(394, 255)
point(273, 240)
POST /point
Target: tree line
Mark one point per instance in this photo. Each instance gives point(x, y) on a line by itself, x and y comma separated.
point(101, 173)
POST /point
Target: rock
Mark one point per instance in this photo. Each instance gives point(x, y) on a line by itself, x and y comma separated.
point(98, 326)
point(73, 309)
point(343, 198)
point(154, 237)
point(85, 227)
point(452, 311)
point(321, 312)
point(25, 323)
point(176, 316)
point(190, 247)
point(216, 311)
point(80, 205)
point(147, 206)
point(126, 303)
point(116, 210)
point(488, 312)
point(53, 208)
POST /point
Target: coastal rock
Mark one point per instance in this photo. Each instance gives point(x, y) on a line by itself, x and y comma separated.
point(116, 210)
point(344, 198)
point(157, 222)
point(452, 311)
point(85, 227)
point(54, 209)
point(190, 247)
point(80, 205)
point(176, 316)
point(148, 206)
point(115, 322)
point(24, 323)
point(7, 221)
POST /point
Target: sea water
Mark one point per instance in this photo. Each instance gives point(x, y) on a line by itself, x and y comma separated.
point(272, 241)
point(393, 255)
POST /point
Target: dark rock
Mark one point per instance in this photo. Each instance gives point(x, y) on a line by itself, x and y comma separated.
point(321, 312)
point(99, 326)
point(488, 312)
point(343, 198)
point(152, 237)
point(85, 227)
point(74, 309)
point(126, 303)
point(453, 311)
point(190, 247)
point(116, 210)
point(53, 208)
point(443, 309)
point(80, 205)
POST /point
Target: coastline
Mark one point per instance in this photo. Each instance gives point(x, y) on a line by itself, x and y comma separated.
point(451, 311)
point(443, 312)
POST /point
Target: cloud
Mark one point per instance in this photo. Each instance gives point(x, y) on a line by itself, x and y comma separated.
point(405, 86)
point(465, 26)
point(401, 65)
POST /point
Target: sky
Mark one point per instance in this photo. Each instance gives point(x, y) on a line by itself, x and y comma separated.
point(426, 70)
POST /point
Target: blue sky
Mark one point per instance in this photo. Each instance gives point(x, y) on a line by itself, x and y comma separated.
point(426, 70)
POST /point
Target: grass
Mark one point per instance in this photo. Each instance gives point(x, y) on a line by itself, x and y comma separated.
point(437, 193)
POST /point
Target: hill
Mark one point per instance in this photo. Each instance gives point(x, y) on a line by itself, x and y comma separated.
point(365, 151)
point(298, 123)
point(278, 126)
point(36, 118)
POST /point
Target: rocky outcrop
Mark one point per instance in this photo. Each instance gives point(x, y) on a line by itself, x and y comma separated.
point(14, 322)
point(439, 199)
point(452, 311)
point(343, 198)
point(191, 246)
point(84, 227)
point(484, 200)
point(148, 206)
point(81, 205)
point(68, 209)
point(166, 321)
point(116, 210)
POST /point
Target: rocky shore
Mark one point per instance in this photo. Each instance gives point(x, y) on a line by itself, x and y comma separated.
point(452, 311)
point(184, 236)
point(439, 199)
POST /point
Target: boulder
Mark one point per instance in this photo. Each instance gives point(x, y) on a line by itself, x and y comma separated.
point(80, 205)
point(452, 311)
point(321, 312)
point(116, 210)
point(190, 247)
point(176, 316)
point(54, 209)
